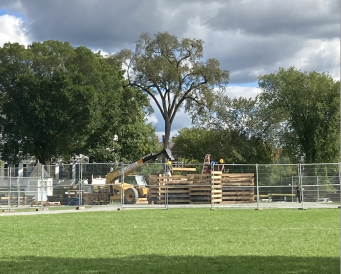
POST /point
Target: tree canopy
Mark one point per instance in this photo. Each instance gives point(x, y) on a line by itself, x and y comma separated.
point(171, 72)
point(229, 144)
point(57, 100)
point(303, 109)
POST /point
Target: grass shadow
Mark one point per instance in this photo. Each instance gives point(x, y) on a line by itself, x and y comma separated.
point(171, 264)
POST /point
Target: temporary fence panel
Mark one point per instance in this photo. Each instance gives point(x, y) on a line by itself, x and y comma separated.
point(154, 185)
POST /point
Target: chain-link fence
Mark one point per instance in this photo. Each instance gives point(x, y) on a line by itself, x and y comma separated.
point(161, 186)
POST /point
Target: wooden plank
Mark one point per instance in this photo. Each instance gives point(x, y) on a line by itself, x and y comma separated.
point(236, 202)
point(173, 187)
point(217, 191)
point(237, 184)
point(172, 191)
point(200, 189)
point(238, 193)
point(235, 198)
point(207, 175)
point(184, 169)
point(280, 194)
point(238, 174)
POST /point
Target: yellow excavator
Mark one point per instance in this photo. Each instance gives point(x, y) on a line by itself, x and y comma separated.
point(131, 192)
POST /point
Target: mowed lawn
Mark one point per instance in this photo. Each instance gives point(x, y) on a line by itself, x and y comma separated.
point(173, 241)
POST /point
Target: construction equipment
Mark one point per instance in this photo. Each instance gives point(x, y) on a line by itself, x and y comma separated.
point(131, 192)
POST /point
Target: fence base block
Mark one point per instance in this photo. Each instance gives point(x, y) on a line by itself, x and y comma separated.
point(80, 207)
point(42, 209)
point(8, 210)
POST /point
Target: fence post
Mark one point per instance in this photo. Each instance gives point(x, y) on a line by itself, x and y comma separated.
point(340, 180)
point(9, 189)
point(41, 187)
point(212, 187)
point(318, 189)
point(18, 186)
point(122, 185)
point(301, 186)
point(80, 196)
point(166, 186)
point(292, 188)
point(257, 187)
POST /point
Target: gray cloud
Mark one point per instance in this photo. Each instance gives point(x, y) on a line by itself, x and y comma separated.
point(248, 37)
point(245, 35)
point(105, 24)
point(313, 19)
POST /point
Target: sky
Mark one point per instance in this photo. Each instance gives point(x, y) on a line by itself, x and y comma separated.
point(249, 37)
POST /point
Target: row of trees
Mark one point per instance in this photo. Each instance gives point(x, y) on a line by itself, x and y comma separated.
point(296, 115)
point(57, 100)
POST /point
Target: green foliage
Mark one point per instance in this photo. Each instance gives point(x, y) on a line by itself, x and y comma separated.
point(57, 100)
point(233, 131)
point(230, 145)
point(303, 110)
point(171, 72)
point(52, 97)
point(136, 137)
point(179, 241)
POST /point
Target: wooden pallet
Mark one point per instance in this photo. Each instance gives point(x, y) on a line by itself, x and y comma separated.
point(214, 187)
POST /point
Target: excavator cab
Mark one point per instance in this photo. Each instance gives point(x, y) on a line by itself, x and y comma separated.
point(139, 183)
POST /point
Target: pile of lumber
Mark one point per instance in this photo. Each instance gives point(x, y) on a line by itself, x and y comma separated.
point(177, 188)
point(214, 187)
point(100, 196)
point(238, 187)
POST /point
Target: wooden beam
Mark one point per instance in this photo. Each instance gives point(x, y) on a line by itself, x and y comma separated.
point(184, 169)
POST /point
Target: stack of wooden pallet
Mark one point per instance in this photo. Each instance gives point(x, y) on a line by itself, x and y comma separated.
point(190, 189)
point(175, 186)
point(88, 198)
point(237, 187)
point(200, 188)
point(101, 195)
point(215, 187)
point(205, 188)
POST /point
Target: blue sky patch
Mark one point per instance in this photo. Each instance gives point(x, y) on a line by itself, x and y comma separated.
point(13, 13)
point(250, 85)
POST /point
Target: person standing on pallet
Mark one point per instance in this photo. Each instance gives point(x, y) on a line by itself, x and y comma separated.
point(221, 165)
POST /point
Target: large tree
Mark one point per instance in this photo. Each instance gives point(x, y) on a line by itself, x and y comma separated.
point(171, 72)
point(303, 109)
point(57, 100)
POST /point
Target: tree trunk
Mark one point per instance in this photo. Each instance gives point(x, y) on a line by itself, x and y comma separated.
point(166, 139)
point(167, 133)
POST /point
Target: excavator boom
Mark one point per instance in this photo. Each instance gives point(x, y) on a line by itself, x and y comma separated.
point(112, 176)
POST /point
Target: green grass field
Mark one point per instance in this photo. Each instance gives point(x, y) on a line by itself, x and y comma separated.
point(174, 241)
